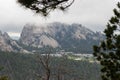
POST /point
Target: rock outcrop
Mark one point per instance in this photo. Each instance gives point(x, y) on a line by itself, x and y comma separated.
point(9, 45)
point(74, 37)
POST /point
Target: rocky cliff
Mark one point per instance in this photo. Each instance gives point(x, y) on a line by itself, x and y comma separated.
point(68, 37)
point(9, 45)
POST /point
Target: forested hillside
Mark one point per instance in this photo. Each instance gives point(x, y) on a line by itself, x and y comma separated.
point(28, 67)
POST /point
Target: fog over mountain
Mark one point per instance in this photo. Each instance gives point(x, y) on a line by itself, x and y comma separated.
point(14, 17)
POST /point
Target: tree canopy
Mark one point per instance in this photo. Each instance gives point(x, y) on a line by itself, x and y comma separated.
point(44, 7)
point(108, 52)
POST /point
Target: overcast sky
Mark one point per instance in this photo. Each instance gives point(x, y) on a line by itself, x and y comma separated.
point(93, 14)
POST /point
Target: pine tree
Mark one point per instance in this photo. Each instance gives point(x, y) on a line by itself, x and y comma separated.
point(44, 7)
point(108, 52)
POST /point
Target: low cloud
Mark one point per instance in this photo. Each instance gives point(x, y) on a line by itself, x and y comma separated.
point(91, 13)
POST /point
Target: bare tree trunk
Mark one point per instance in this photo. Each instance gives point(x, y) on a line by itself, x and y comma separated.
point(48, 74)
point(44, 60)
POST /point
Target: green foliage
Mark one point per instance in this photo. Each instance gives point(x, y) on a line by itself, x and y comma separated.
point(26, 67)
point(108, 52)
point(4, 78)
point(44, 7)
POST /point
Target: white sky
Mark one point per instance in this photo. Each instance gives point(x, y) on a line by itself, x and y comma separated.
point(93, 14)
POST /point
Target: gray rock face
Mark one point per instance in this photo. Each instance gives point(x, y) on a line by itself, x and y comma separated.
point(4, 45)
point(37, 37)
point(9, 45)
point(72, 37)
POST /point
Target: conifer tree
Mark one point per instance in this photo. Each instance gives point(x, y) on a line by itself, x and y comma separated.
point(108, 52)
point(44, 7)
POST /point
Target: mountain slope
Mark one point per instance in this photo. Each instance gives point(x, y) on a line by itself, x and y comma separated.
point(9, 45)
point(72, 38)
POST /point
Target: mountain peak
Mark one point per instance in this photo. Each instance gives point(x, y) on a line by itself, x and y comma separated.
point(70, 37)
point(6, 36)
point(9, 45)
